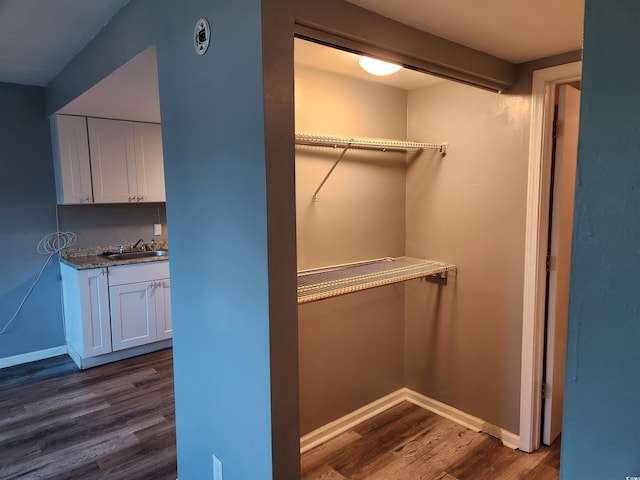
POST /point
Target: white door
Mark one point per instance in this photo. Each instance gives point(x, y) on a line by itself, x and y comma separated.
point(113, 162)
point(566, 153)
point(71, 152)
point(133, 315)
point(162, 294)
point(94, 306)
point(149, 162)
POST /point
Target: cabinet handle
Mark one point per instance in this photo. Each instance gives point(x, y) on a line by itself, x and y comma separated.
point(104, 271)
point(132, 199)
point(85, 199)
point(140, 198)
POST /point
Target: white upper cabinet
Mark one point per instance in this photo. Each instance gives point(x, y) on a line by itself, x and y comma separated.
point(113, 162)
point(99, 160)
point(71, 159)
point(149, 162)
point(126, 161)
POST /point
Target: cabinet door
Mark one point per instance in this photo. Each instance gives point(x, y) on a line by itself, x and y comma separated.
point(94, 312)
point(133, 314)
point(149, 162)
point(113, 163)
point(71, 159)
point(162, 294)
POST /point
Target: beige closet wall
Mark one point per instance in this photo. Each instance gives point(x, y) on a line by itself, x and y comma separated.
point(463, 339)
point(351, 347)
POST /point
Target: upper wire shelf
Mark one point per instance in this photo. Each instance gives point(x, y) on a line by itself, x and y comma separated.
point(383, 144)
point(363, 143)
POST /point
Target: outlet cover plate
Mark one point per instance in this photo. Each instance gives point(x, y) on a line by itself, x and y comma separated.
point(217, 468)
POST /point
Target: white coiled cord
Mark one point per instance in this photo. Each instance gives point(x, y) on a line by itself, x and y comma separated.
point(54, 242)
point(50, 244)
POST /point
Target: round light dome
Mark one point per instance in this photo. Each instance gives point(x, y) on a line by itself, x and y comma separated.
point(378, 67)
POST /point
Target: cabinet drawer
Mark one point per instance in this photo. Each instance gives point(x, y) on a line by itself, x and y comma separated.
point(139, 272)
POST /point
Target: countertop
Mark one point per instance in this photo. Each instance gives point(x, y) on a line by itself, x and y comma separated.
point(92, 257)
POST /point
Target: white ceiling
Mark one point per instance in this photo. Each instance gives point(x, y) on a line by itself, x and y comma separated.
point(514, 30)
point(39, 37)
point(129, 93)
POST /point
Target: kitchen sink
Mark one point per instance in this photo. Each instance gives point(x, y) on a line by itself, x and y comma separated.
point(137, 254)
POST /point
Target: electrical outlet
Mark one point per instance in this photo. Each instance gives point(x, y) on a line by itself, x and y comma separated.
point(217, 468)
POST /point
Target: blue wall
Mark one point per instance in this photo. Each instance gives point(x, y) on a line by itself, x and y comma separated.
point(602, 396)
point(226, 313)
point(27, 213)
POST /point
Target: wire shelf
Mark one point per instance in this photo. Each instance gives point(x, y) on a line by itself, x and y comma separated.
point(322, 283)
point(383, 144)
point(363, 143)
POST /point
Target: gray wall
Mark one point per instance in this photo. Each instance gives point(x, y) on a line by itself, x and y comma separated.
point(463, 339)
point(113, 224)
point(601, 415)
point(350, 348)
point(360, 212)
point(27, 213)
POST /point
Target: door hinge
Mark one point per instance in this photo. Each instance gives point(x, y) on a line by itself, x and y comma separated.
point(551, 263)
point(545, 391)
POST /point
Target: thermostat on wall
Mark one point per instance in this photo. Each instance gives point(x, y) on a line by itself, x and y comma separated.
point(201, 36)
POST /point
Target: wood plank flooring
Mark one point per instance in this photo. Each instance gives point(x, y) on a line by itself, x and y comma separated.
point(117, 422)
point(111, 422)
point(407, 442)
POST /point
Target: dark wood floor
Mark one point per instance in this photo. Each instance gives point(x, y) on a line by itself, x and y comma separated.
point(117, 422)
point(409, 443)
point(111, 422)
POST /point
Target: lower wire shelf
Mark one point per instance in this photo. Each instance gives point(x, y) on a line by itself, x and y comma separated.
point(321, 283)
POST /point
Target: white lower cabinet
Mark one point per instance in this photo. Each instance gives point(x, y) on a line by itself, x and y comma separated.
point(109, 310)
point(86, 310)
point(138, 295)
point(164, 328)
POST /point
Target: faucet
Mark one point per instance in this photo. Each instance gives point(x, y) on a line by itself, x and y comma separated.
point(134, 246)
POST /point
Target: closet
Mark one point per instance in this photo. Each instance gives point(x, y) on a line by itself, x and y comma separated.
point(405, 194)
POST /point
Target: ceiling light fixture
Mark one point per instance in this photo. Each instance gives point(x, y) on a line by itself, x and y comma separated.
point(378, 67)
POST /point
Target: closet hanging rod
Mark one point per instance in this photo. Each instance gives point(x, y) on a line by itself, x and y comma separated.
point(383, 144)
point(365, 143)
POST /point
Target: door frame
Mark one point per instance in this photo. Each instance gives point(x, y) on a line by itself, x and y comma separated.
point(536, 232)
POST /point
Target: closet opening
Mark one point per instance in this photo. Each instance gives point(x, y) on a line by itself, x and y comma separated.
point(427, 175)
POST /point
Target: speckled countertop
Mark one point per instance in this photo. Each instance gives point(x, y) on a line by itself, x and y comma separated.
point(92, 257)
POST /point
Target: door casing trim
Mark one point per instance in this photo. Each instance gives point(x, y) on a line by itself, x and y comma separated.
point(537, 226)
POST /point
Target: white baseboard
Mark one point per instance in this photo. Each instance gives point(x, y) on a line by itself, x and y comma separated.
point(444, 410)
point(342, 424)
point(103, 359)
point(350, 420)
point(32, 356)
point(509, 439)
